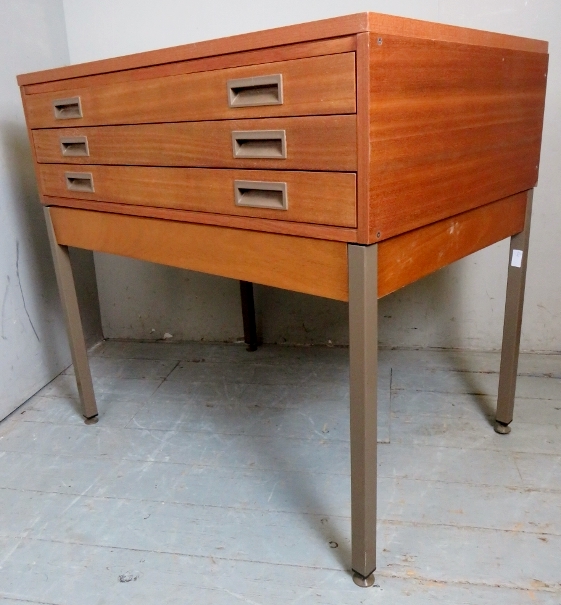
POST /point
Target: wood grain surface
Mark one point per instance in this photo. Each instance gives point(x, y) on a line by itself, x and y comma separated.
point(308, 230)
point(314, 86)
point(294, 263)
point(363, 98)
point(389, 25)
point(234, 59)
point(406, 258)
point(313, 197)
point(322, 29)
point(401, 260)
point(452, 127)
point(312, 143)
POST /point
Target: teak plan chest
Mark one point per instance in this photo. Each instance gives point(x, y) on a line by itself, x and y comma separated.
point(344, 158)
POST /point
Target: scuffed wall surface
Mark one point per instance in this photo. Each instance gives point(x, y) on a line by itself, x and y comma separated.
point(33, 344)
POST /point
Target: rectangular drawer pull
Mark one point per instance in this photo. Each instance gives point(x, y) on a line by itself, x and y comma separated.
point(79, 181)
point(66, 109)
point(261, 194)
point(269, 144)
point(251, 92)
point(74, 146)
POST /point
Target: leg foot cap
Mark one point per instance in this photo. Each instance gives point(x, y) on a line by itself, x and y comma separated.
point(92, 420)
point(363, 582)
point(501, 429)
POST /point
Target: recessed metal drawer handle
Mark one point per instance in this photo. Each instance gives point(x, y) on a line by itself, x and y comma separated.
point(261, 90)
point(79, 181)
point(74, 146)
point(261, 194)
point(259, 144)
point(65, 109)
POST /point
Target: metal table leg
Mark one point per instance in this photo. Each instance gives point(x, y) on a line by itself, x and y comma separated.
point(516, 281)
point(67, 290)
point(248, 313)
point(363, 341)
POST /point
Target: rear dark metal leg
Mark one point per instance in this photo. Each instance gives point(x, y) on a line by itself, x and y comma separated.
point(67, 290)
point(363, 341)
point(248, 313)
point(518, 260)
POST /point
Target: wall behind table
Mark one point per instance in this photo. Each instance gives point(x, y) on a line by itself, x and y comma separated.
point(460, 306)
point(33, 344)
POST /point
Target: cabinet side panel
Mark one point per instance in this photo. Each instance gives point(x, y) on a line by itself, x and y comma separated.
point(406, 258)
point(452, 127)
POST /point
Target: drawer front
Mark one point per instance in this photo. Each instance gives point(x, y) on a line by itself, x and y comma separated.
point(312, 86)
point(307, 197)
point(308, 143)
point(302, 264)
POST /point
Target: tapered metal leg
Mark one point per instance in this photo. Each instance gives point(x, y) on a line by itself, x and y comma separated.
point(363, 341)
point(516, 281)
point(248, 313)
point(67, 290)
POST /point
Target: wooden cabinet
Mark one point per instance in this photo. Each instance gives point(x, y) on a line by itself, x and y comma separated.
point(426, 122)
point(344, 158)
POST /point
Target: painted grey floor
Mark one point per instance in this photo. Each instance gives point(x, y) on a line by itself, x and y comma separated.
point(217, 476)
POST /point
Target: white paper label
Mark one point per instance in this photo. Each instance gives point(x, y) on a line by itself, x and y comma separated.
point(516, 258)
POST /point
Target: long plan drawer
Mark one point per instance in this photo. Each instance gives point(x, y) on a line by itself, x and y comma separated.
point(309, 197)
point(305, 143)
point(310, 86)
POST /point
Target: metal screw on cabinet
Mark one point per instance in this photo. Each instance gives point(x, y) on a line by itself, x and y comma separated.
point(379, 41)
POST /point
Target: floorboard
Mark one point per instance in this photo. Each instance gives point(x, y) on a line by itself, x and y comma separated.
point(219, 476)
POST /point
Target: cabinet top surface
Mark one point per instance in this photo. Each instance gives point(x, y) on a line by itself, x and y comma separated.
point(375, 23)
